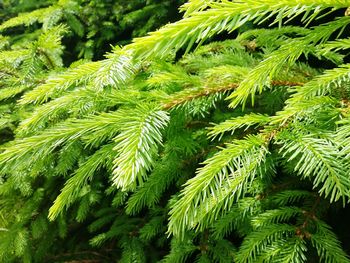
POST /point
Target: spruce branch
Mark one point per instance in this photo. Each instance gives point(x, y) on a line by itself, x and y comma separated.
point(327, 244)
point(103, 127)
point(233, 124)
point(82, 176)
point(318, 158)
point(29, 18)
point(225, 15)
point(259, 240)
point(228, 173)
point(137, 146)
point(260, 77)
point(188, 95)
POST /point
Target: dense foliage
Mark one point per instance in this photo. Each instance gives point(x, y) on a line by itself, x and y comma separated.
point(222, 137)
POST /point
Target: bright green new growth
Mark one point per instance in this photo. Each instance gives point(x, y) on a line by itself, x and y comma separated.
point(159, 156)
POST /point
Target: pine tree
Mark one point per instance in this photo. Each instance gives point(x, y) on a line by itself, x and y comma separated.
point(177, 147)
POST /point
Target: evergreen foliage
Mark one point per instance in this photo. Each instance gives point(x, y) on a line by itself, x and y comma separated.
point(176, 147)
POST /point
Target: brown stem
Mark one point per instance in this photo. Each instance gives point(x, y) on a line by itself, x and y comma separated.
point(9, 73)
point(209, 91)
point(48, 59)
point(79, 253)
point(202, 93)
point(309, 216)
